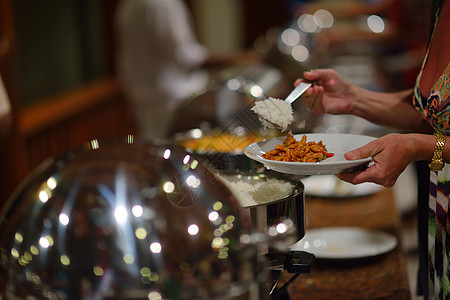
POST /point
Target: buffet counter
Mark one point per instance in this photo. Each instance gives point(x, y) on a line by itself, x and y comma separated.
point(379, 277)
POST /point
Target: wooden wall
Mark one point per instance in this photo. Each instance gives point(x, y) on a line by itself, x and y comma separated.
point(57, 124)
point(60, 124)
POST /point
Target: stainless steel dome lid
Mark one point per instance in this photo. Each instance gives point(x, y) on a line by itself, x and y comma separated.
point(126, 219)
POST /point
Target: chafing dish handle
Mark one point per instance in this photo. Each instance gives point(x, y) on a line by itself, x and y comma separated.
point(299, 262)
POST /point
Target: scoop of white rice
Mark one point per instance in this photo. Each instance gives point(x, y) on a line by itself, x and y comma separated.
point(275, 110)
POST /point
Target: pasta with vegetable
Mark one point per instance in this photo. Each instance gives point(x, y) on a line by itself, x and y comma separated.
point(292, 150)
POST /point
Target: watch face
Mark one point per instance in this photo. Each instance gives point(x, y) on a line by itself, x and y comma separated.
point(436, 165)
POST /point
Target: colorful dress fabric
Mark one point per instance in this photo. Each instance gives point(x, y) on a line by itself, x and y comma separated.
point(436, 110)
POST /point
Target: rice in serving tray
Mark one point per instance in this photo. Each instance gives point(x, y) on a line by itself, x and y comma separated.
point(259, 192)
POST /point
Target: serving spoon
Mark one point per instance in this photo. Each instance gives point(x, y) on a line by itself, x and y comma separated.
point(298, 91)
point(294, 95)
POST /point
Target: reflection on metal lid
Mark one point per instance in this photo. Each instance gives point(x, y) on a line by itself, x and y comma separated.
point(124, 220)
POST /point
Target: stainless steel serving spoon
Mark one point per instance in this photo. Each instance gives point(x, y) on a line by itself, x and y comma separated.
point(298, 91)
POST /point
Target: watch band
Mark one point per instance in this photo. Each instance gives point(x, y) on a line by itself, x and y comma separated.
point(437, 162)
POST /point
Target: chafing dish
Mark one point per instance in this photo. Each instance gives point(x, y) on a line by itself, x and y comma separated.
point(129, 219)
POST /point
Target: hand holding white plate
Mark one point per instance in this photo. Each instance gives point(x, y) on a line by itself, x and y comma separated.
point(335, 143)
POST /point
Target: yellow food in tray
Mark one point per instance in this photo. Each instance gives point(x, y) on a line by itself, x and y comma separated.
point(223, 142)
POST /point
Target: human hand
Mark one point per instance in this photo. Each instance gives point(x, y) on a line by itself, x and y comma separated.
point(330, 93)
point(391, 155)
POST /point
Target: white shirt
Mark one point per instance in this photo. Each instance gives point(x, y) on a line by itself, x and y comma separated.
point(158, 53)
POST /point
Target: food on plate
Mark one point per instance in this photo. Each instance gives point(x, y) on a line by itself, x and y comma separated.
point(219, 143)
point(274, 111)
point(254, 193)
point(292, 150)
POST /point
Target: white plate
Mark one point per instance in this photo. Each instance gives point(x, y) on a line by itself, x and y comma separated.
point(332, 187)
point(335, 143)
point(345, 242)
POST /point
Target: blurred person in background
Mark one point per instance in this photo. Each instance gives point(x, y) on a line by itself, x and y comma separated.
point(161, 62)
point(419, 112)
point(5, 115)
point(6, 134)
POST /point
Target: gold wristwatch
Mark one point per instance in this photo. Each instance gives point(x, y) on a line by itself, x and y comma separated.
point(437, 162)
